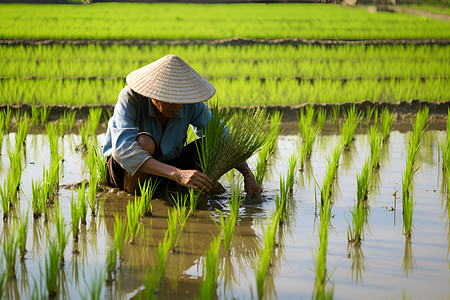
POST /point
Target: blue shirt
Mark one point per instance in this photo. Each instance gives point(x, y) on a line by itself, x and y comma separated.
point(135, 113)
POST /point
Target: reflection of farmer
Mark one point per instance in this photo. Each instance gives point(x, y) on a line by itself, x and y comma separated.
point(147, 131)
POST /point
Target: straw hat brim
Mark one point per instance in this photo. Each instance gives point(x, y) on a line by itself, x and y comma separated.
point(170, 79)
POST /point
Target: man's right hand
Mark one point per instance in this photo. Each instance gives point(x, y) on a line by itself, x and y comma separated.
point(193, 179)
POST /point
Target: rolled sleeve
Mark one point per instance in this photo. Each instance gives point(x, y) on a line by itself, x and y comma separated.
point(123, 132)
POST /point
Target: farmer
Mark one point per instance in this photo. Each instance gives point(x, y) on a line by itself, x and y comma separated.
point(147, 132)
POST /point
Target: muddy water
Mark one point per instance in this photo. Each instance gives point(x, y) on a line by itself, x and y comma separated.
point(386, 265)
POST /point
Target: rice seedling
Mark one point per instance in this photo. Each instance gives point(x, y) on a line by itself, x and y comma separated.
point(292, 166)
point(210, 270)
point(309, 130)
point(375, 142)
point(369, 113)
point(363, 181)
point(44, 112)
point(121, 234)
point(193, 200)
point(52, 133)
point(269, 148)
point(75, 218)
point(70, 118)
point(15, 173)
point(320, 119)
point(10, 246)
point(147, 190)
point(133, 224)
point(83, 130)
point(51, 267)
point(309, 136)
point(227, 227)
point(408, 210)
point(173, 228)
point(355, 230)
point(261, 164)
point(444, 147)
point(161, 255)
point(182, 215)
point(281, 200)
point(4, 198)
point(62, 234)
point(226, 146)
point(101, 166)
point(335, 114)
point(23, 127)
point(37, 199)
point(350, 125)
point(149, 283)
point(235, 201)
point(21, 225)
point(50, 181)
point(93, 120)
point(5, 119)
point(62, 125)
point(34, 115)
point(419, 126)
point(386, 122)
point(95, 285)
point(82, 205)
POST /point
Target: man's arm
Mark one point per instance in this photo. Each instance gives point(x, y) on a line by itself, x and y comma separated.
point(188, 178)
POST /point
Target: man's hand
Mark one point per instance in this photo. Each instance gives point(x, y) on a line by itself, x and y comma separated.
point(193, 179)
point(252, 187)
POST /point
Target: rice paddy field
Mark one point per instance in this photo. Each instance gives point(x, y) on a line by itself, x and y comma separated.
point(355, 202)
point(385, 262)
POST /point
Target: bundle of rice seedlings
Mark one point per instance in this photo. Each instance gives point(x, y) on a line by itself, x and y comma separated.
point(227, 145)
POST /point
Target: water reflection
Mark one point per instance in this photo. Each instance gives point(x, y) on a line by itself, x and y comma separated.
point(348, 158)
point(375, 183)
point(428, 145)
point(38, 236)
point(409, 261)
point(358, 267)
point(23, 276)
point(12, 288)
point(184, 265)
point(306, 176)
point(75, 270)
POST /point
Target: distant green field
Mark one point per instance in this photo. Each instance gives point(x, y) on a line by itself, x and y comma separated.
point(213, 21)
point(246, 75)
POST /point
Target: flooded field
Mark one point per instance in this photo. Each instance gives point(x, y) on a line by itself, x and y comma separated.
point(386, 264)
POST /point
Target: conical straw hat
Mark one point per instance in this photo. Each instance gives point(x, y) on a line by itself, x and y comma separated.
point(170, 79)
